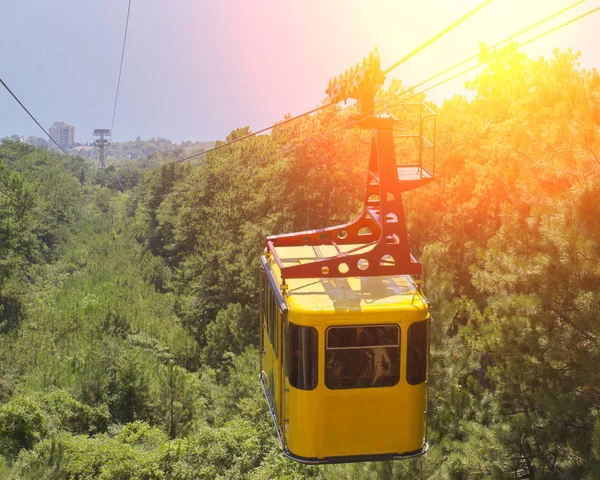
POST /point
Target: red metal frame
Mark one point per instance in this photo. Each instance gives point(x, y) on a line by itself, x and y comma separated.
point(380, 231)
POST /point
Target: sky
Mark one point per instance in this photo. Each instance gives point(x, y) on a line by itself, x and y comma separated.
point(196, 70)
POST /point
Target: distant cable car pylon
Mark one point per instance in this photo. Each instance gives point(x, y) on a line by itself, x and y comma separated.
point(102, 144)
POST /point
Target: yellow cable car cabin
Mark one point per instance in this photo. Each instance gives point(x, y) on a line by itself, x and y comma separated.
point(344, 326)
point(344, 363)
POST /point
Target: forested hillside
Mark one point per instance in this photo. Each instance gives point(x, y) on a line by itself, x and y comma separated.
point(128, 313)
point(145, 153)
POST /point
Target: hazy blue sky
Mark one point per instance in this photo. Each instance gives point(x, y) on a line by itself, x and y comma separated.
point(195, 70)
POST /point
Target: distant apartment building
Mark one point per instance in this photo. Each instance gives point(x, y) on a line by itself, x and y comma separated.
point(63, 133)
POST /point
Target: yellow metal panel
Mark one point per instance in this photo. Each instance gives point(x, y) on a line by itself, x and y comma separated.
point(363, 421)
point(304, 426)
point(366, 421)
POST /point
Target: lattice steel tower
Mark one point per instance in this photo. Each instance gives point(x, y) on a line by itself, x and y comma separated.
point(102, 143)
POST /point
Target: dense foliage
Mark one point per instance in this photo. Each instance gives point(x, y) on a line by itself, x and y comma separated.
point(128, 313)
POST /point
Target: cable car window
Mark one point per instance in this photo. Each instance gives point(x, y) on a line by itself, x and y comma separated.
point(263, 295)
point(302, 361)
point(362, 356)
point(272, 313)
point(416, 361)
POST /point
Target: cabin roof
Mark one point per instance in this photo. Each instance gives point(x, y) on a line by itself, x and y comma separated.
point(349, 294)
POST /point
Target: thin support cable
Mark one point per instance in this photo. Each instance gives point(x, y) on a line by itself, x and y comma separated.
point(112, 123)
point(253, 134)
point(439, 35)
point(32, 117)
point(120, 69)
point(381, 108)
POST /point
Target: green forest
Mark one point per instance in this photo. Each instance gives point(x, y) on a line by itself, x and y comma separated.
point(129, 297)
point(145, 153)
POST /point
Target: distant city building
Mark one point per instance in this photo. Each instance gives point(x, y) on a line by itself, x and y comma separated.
point(63, 133)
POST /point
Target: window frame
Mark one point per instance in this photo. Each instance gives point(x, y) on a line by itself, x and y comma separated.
point(355, 326)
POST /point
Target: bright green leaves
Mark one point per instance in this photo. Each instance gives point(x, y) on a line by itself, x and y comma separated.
point(22, 424)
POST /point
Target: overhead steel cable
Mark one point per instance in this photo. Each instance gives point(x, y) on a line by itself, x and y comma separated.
point(17, 194)
point(501, 42)
point(404, 98)
point(253, 134)
point(383, 107)
point(410, 55)
point(32, 117)
point(504, 52)
point(439, 35)
point(112, 123)
point(407, 91)
point(120, 68)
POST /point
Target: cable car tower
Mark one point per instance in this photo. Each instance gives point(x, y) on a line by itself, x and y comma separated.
point(382, 223)
point(102, 143)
